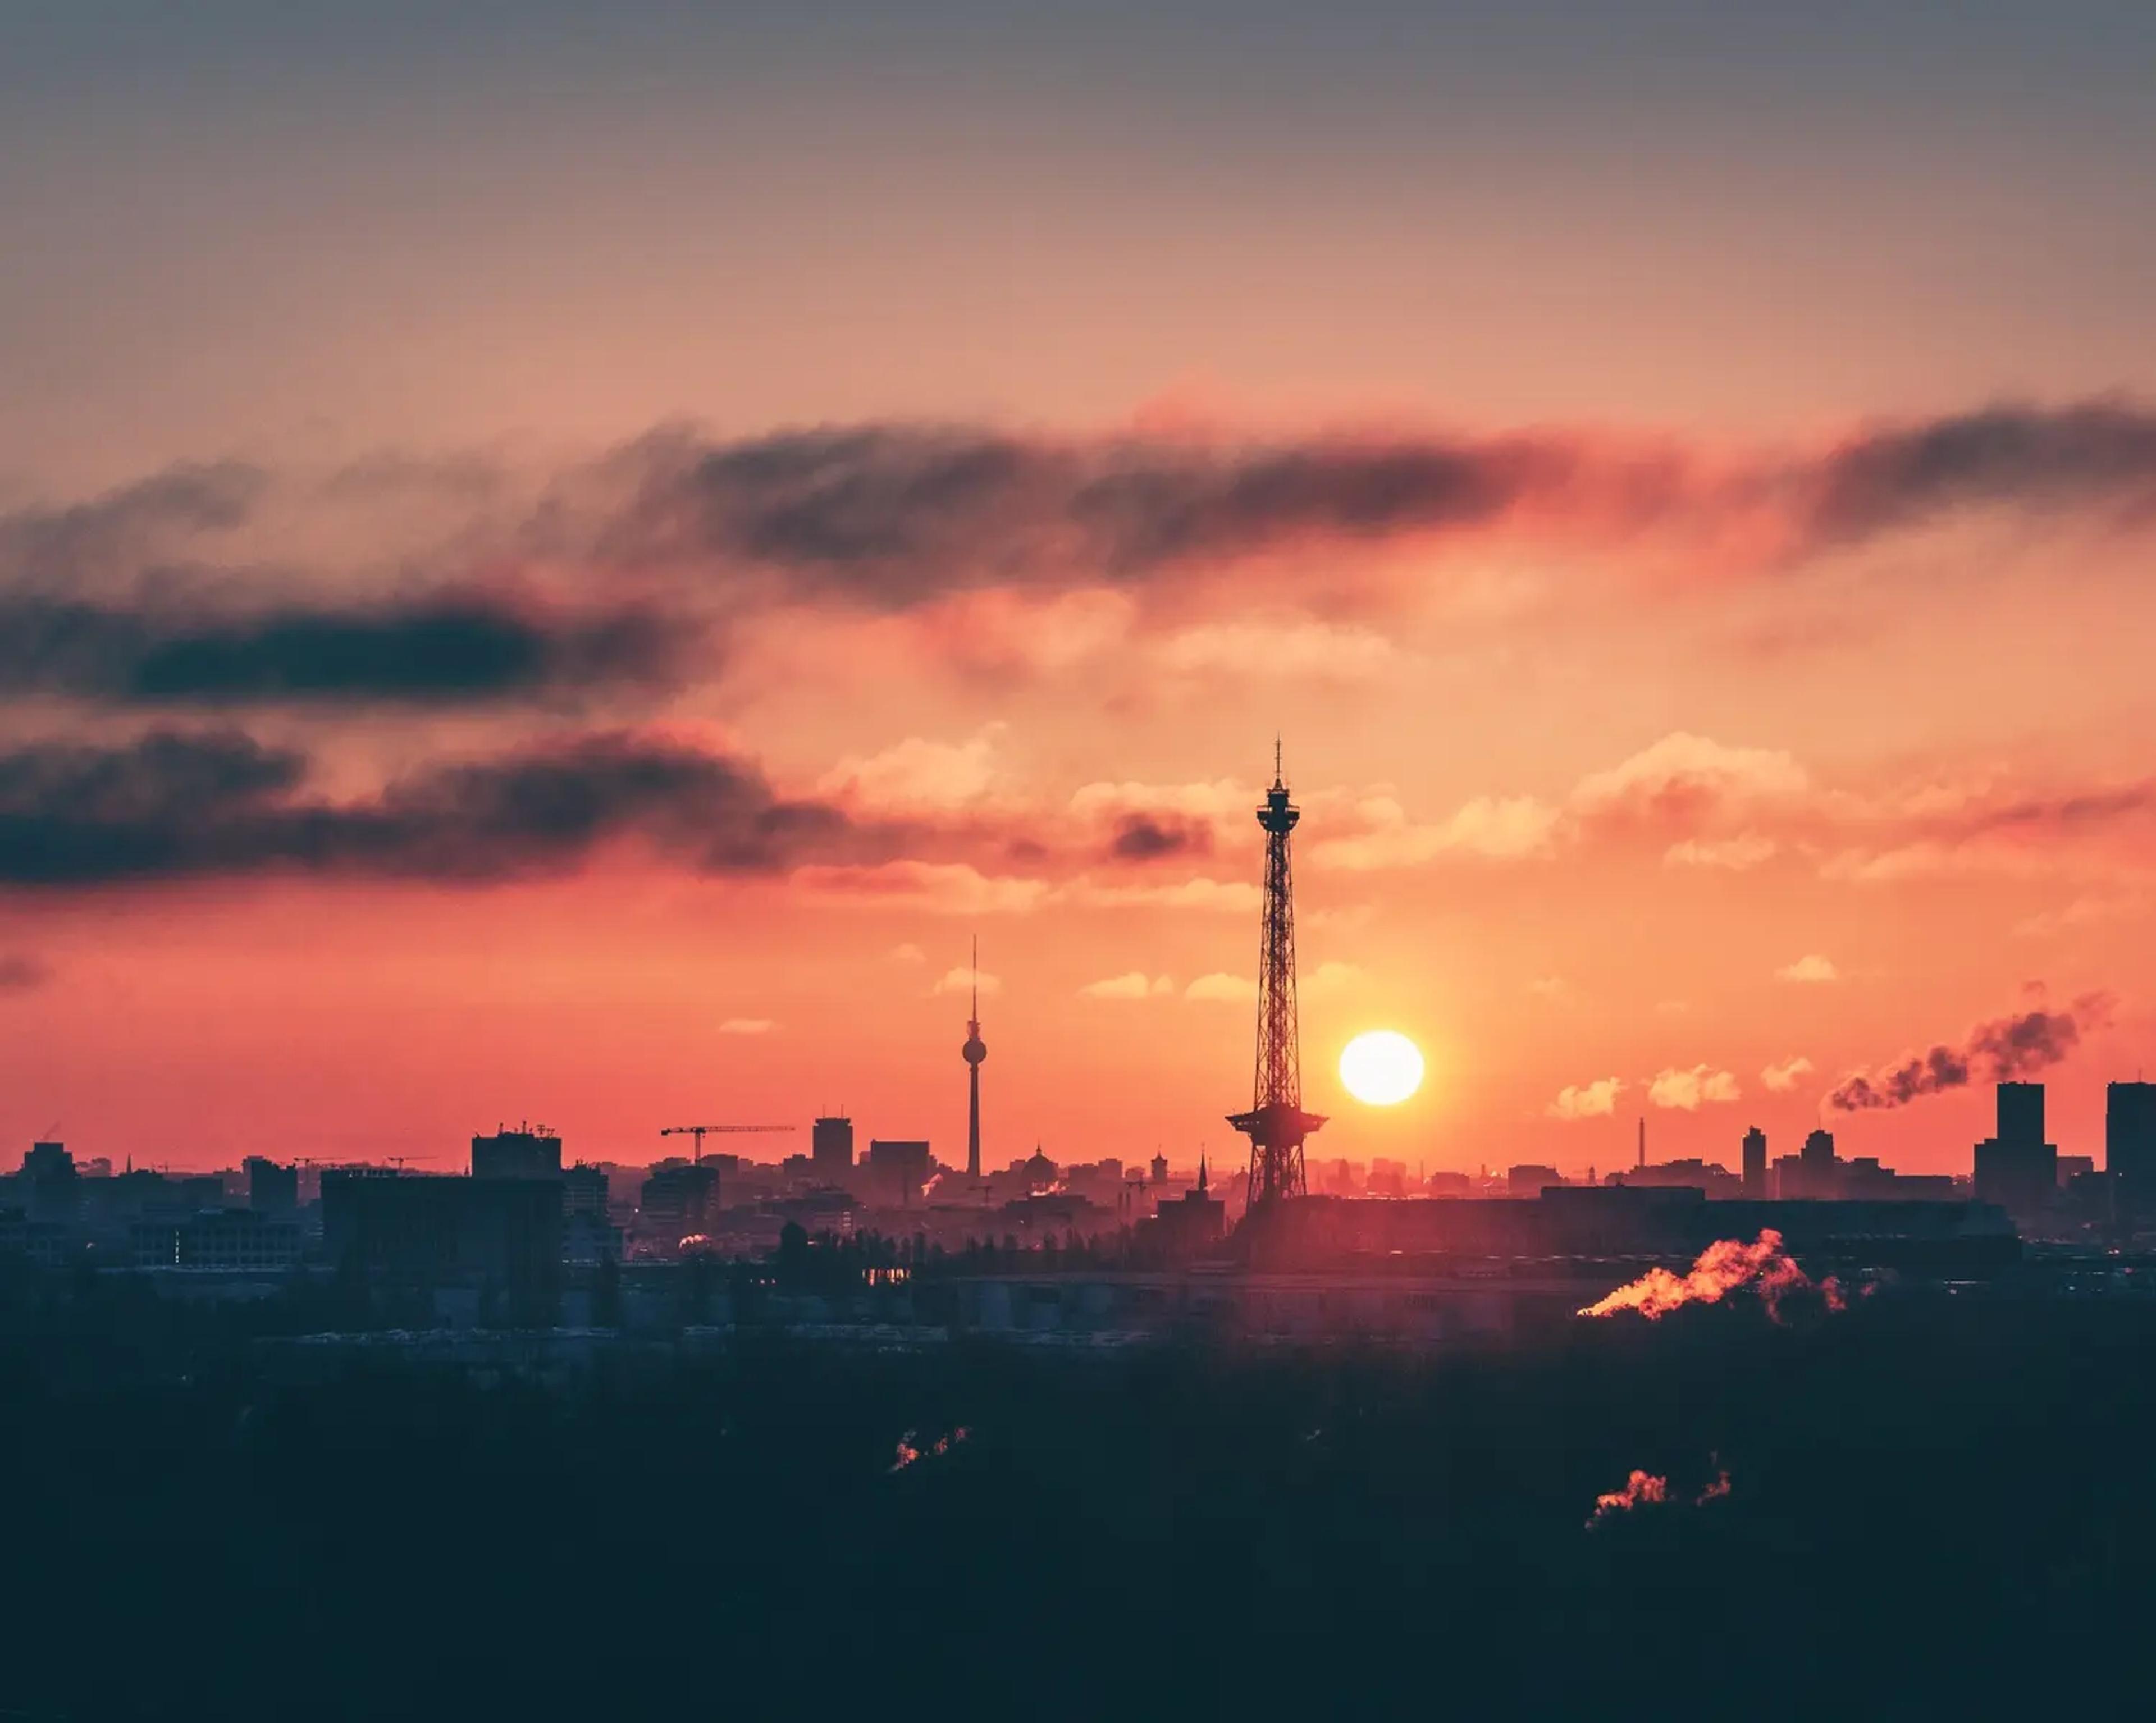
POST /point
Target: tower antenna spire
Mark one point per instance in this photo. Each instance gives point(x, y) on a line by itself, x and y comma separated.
point(973, 1052)
point(1276, 1124)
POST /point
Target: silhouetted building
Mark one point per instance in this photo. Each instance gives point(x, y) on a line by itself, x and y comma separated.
point(1160, 1169)
point(589, 1239)
point(831, 1147)
point(502, 1233)
point(1864, 1180)
point(1692, 1174)
point(271, 1189)
point(1947, 1237)
point(2129, 1144)
point(225, 1239)
point(49, 1182)
point(584, 1190)
point(2020, 1113)
point(678, 1202)
point(897, 1170)
point(1193, 1222)
point(1755, 1162)
point(1811, 1176)
point(1530, 1180)
point(1387, 1178)
point(521, 1153)
point(2016, 1168)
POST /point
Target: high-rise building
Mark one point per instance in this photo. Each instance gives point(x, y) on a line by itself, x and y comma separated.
point(2020, 1113)
point(831, 1147)
point(1755, 1162)
point(522, 1153)
point(2129, 1144)
point(2015, 1167)
point(1813, 1175)
point(271, 1189)
point(584, 1190)
point(677, 1202)
point(898, 1171)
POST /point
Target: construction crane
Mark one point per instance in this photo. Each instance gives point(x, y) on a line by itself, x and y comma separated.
point(698, 1132)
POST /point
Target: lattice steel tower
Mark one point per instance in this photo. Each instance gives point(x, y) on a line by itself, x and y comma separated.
point(1276, 1124)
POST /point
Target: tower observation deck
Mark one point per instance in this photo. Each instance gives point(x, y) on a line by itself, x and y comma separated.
point(1276, 1124)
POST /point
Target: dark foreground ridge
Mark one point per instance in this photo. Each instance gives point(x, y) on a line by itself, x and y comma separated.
point(1931, 1504)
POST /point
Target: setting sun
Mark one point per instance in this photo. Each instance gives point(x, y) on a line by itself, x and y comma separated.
point(1381, 1067)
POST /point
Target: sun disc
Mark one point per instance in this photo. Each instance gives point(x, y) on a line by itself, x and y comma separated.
point(1381, 1067)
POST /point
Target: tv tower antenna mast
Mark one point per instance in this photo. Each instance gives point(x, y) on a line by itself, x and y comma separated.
point(974, 1051)
point(1276, 1124)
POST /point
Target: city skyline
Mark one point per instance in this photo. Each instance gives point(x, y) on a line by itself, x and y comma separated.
point(483, 644)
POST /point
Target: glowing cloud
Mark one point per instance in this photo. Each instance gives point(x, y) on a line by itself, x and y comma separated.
point(1781, 1079)
point(1689, 1089)
point(1588, 1100)
point(962, 980)
point(1135, 985)
point(1811, 969)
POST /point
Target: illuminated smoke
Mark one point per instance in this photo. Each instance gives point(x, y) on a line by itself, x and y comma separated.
point(908, 1452)
point(1995, 1052)
point(1646, 1489)
point(929, 1189)
point(1726, 1266)
point(1641, 1490)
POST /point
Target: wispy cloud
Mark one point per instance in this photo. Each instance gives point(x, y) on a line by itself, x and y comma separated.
point(1137, 984)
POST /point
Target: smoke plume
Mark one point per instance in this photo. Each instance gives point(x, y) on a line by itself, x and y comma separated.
point(1999, 1051)
point(1641, 1490)
point(1726, 1266)
point(1650, 1489)
point(910, 1453)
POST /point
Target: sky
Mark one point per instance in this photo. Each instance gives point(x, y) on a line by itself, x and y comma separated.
point(560, 563)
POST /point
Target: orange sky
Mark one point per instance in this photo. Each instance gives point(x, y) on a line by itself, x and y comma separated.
point(885, 510)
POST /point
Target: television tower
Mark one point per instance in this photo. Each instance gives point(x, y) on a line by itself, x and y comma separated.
point(974, 1051)
point(1276, 1124)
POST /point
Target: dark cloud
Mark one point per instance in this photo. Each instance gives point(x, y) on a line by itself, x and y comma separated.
point(892, 515)
point(445, 651)
point(1146, 837)
point(171, 806)
point(163, 517)
point(2019, 455)
point(1999, 1051)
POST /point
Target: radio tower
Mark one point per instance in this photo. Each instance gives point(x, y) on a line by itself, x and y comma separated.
point(1276, 1124)
point(975, 1050)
